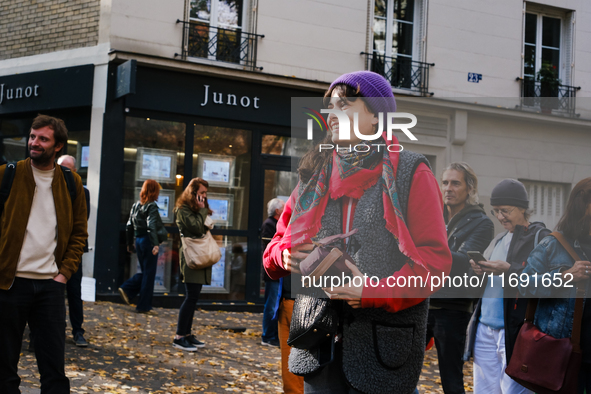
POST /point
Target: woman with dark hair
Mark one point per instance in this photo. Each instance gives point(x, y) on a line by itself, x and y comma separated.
point(393, 200)
point(191, 210)
point(499, 314)
point(554, 316)
point(146, 225)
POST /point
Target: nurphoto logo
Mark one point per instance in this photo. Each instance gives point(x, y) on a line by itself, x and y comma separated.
point(345, 129)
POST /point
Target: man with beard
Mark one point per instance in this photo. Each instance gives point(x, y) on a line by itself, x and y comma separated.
point(42, 236)
point(468, 229)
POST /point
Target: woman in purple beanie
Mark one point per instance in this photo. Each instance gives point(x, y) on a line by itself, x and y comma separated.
point(391, 197)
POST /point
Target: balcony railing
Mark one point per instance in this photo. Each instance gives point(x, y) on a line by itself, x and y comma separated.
point(401, 72)
point(560, 99)
point(225, 45)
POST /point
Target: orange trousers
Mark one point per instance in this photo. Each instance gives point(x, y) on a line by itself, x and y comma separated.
point(292, 384)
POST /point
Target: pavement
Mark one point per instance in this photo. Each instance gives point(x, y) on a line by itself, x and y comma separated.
point(132, 353)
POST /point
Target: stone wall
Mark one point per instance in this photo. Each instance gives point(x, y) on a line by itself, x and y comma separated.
point(32, 27)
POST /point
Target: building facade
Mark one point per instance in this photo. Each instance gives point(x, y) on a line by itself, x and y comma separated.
point(503, 85)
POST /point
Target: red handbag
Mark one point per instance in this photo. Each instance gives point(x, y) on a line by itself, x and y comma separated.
point(541, 362)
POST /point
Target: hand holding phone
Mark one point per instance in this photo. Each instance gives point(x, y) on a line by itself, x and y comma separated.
point(476, 256)
point(200, 201)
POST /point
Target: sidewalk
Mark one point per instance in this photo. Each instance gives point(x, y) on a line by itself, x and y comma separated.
point(133, 353)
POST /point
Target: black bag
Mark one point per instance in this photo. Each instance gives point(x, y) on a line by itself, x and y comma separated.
point(314, 321)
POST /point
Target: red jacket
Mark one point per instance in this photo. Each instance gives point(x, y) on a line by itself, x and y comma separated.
point(426, 227)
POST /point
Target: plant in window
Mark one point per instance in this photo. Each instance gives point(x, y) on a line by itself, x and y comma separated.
point(549, 81)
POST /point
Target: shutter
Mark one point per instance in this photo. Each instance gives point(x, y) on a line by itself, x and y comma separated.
point(420, 27)
point(547, 201)
point(524, 11)
point(569, 49)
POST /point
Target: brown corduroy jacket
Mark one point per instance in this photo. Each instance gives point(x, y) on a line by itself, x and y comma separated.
point(71, 222)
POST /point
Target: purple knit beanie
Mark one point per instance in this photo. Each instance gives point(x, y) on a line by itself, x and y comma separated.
point(375, 88)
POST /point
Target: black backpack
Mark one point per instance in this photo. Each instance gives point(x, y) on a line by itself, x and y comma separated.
point(6, 184)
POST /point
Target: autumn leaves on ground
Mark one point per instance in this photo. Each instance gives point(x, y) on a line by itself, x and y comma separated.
point(133, 353)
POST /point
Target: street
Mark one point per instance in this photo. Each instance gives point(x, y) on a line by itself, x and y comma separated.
point(132, 353)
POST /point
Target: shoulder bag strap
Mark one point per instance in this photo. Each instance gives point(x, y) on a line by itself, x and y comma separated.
point(6, 184)
point(577, 321)
point(70, 183)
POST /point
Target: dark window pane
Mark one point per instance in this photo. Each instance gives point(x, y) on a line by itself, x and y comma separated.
point(14, 149)
point(380, 8)
point(198, 45)
point(228, 46)
point(404, 10)
point(400, 72)
point(531, 22)
point(529, 64)
point(402, 39)
point(551, 32)
point(551, 57)
point(379, 35)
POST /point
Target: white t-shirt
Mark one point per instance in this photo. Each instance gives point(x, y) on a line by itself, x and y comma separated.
point(37, 257)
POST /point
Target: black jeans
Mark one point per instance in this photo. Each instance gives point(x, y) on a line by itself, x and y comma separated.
point(187, 310)
point(40, 303)
point(74, 289)
point(448, 327)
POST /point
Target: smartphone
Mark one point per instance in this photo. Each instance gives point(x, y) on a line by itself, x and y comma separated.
point(476, 256)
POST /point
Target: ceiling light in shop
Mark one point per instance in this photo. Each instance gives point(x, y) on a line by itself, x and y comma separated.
point(230, 146)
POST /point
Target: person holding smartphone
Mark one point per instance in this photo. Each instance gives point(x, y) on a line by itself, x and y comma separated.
point(499, 314)
point(191, 210)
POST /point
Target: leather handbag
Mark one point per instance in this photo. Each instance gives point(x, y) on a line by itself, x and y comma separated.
point(314, 320)
point(327, 259)
point(201, 252)
point(542, 363)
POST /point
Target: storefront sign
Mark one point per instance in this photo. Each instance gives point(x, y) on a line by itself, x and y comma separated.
point(218, 98)
point(17, 93)
point(198, 95)
point(39, 91)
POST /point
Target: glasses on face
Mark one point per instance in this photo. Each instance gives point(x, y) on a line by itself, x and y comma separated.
point(504, 212)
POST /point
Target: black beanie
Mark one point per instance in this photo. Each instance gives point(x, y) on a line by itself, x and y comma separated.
point(510, 192)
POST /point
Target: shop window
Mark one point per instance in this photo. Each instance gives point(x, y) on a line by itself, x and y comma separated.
point(78, 147)
point(285, 146)
point(13, 139)
point(12, 149)
point(155, 149)
point(228, 276)
point(222, 157)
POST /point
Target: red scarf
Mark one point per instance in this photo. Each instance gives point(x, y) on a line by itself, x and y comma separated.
point(348, 177)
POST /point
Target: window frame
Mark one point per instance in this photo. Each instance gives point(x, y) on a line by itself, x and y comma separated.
point(213, 23)
point(415, 52)
point(539, 46)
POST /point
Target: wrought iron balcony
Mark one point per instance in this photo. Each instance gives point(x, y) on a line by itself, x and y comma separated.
point(401, 72)
point(559, 99)
point(225, 45)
